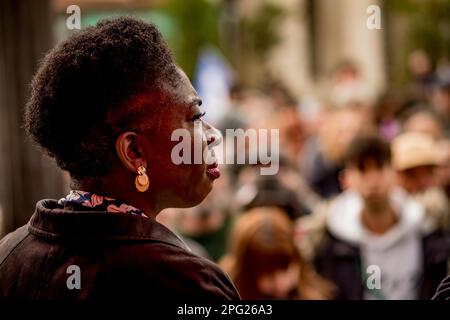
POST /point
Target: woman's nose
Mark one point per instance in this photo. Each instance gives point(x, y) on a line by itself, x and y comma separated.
point(213, 136)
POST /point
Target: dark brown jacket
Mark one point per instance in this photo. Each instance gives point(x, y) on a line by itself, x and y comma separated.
point(118, 256)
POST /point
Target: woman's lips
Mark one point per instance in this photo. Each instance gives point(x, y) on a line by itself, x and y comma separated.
point(213, 171)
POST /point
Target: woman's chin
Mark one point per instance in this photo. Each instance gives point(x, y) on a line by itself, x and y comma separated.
point(203, 193)
point(198, 197)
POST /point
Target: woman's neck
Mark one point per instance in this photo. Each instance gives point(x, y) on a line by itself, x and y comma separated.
point(110, 188)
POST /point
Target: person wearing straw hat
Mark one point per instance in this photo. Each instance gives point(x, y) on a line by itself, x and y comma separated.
point(415, 159)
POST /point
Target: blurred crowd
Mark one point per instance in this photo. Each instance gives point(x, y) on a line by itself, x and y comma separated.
point(359, 208)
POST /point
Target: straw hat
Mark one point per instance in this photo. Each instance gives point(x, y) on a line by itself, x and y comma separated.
point(413, 149)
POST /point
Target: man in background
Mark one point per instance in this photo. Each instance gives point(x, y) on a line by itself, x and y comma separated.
point(374, 225)
point(415, 160)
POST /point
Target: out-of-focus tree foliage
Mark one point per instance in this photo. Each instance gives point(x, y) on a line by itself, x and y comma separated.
point(259, 29)
point(429, 24)
point(199, 23)
point(190, 25)
point(196, 24)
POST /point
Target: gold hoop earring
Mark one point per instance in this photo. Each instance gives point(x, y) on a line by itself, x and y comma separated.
point(142, 182)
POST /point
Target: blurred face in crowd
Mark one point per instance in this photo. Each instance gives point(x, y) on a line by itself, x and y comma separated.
point(419, 63)
point(440, 100)
point(338, 129)
point(417, 179)
point(424, 123)
point(372, 182)
point(290, 127)
point(280, 283)
point(347, 72)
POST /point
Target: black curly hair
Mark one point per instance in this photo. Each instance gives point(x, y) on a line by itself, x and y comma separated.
point(96, 72)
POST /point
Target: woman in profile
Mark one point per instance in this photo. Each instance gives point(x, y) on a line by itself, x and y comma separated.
point(104, 104)
point(264, 262)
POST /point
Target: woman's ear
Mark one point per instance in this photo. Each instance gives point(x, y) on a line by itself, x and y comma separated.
point(129, 151)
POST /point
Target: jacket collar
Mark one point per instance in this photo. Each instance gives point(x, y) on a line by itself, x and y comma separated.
point(51, 221)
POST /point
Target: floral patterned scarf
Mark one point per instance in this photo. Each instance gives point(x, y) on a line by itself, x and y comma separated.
point(77, 198)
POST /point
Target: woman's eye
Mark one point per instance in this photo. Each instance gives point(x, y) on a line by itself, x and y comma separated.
point(198, 116)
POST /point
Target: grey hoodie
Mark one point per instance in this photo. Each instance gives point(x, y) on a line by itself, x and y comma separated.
point(394, 257)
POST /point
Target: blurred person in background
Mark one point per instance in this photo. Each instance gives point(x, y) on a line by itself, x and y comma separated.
point(443, 170)
point(386, 115)
point(422, 76)
point(288, 188)
point(415, 159)
point(440, 100)
point(268, 191)
point(249, 111)
point(104, 104)
point(323, 154)
point(288, 120)
point(285, 190)
point(348, 87)
point(233, 117)
point(264, 262)
point(292, 135)
point(374, 223)
point(422, 119)
point(425, 120)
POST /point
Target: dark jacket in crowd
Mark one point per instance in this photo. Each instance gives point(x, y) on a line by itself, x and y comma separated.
point(341, 263)
point(64, 254)
point(321, 174)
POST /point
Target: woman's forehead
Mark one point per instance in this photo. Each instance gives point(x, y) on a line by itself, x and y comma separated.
point(183, 92)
